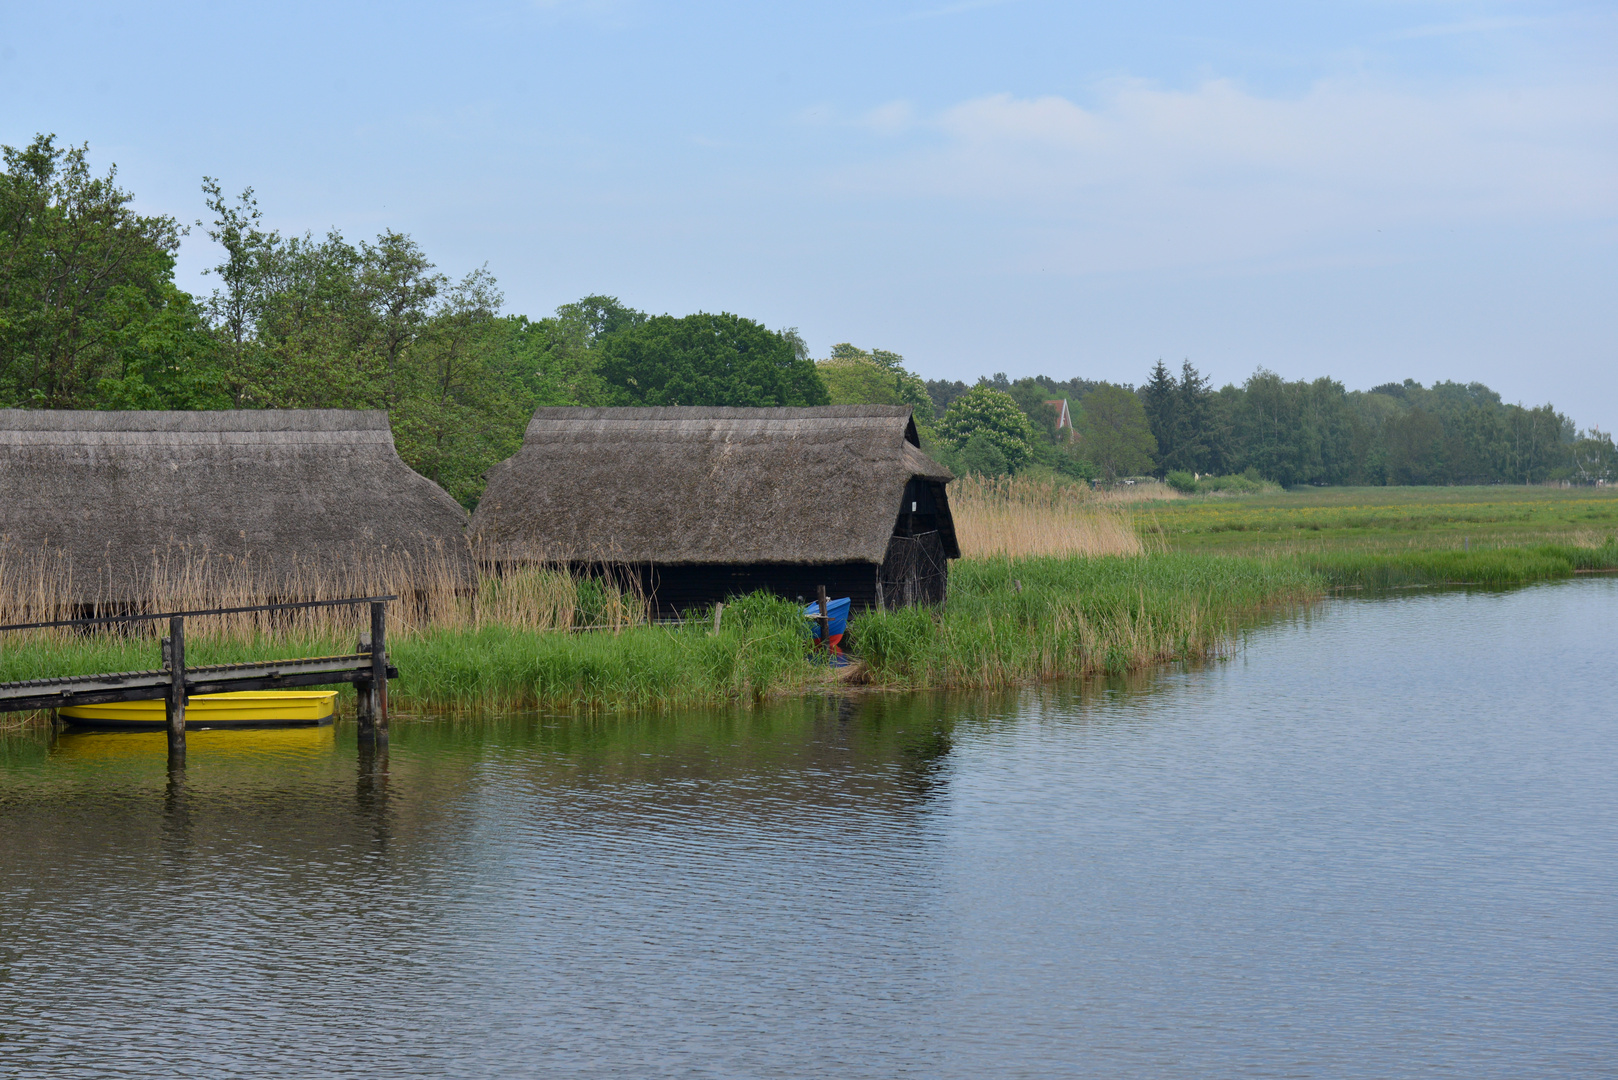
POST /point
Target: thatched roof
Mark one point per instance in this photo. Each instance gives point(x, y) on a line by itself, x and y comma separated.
point(112, 491)
point(705, 485)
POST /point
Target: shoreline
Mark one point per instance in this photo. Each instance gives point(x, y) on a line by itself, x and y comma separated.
point(1009, 622)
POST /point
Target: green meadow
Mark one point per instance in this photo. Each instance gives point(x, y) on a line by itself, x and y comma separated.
point(1383, 519)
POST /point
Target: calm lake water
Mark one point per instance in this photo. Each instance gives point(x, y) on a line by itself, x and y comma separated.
point(1379, 840)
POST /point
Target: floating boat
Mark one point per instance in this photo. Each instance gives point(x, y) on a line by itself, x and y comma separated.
point(244, 708)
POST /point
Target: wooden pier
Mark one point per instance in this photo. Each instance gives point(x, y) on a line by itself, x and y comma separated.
point(367, 668)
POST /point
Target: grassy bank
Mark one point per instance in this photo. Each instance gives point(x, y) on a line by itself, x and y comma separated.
point(1015, 621)
point(1008, 621)
point(1312, 521)
point(1487, 566)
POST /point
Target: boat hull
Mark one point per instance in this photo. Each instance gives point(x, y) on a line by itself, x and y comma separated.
point(243, 709)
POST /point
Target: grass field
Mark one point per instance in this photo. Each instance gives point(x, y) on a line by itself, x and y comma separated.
point(1384, 519)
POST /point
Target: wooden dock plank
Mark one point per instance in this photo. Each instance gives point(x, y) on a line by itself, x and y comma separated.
point(100, 689)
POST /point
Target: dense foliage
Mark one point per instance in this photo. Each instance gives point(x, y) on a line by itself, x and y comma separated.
point(1309, 431)
point(879, 377)
point(1317, 432)
point(989, 430)
point(1114, 432)
point(707, 359)
point(88, 307)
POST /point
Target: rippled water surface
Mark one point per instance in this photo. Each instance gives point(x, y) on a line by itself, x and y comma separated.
point(1377, 841)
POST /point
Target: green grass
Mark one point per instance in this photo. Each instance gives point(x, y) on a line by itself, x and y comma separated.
point(1313, 520)
point(1070, 616)
point(761, 650)
point(1491, 566)
point(1073, 617)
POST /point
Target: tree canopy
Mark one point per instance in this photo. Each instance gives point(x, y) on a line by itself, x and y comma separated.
point(989, 429)
point(705, 359)
point(1114, 432)
point(88, 306)
point(854, 376)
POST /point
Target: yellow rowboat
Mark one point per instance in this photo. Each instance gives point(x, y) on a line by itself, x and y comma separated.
point(245, 708)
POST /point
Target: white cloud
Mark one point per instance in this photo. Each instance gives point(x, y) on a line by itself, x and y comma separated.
point(889, 119)
point(1216, 172)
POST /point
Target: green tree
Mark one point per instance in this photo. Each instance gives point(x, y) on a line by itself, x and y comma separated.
point(87, 296)
point(1415, 442)
point(168, 358)
point(879, 377)
point(1194, 433)
point(943, 392)
point(460, 406)
point(1114, 433)
point(993, 419)
point(980, 454)
point(1160, 398)
point(858, 382)
point(1594, 457)
point(705, 359)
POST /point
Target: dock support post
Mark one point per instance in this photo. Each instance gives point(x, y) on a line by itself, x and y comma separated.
point(825, 621)
point(176, 696)
point(379, 664)
point(364, 700)
point(372, 694)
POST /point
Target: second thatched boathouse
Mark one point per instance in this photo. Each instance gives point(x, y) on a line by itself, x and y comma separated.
point(697, 504)
point(118, 509)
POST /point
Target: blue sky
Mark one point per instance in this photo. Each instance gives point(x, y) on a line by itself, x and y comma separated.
point(1370, 189)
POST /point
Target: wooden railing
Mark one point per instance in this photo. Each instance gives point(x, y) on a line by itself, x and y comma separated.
point(367, 668)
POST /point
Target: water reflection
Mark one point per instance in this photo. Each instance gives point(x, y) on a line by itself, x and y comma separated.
point(1376, 841)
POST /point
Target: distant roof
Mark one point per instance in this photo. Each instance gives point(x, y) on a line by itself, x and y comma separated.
point(112, 491)
point(706, 485)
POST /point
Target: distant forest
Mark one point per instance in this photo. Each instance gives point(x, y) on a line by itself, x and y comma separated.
point(1318, 432)
point(91, 318)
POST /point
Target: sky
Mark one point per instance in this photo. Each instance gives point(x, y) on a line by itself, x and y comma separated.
point(1372, 190)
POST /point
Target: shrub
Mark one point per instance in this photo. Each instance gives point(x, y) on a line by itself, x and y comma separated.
point(1182, 481)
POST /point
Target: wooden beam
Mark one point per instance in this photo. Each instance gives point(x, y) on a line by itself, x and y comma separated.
point(825, 621)
point(176, 695)
point(379, 664)
point(364, 699)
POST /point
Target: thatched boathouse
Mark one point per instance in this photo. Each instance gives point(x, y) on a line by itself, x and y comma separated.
point(696, 504)
point(121, 508)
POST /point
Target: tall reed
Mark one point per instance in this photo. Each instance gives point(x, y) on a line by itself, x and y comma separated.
point(1026, 516)
point(438, 589)
point(1024, 620)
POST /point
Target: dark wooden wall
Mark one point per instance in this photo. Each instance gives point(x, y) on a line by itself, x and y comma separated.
point(916, 570)
point(676, 588)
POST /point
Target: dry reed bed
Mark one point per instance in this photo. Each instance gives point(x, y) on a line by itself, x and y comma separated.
point(437, 589)
point(1019, 517)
